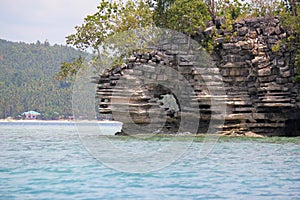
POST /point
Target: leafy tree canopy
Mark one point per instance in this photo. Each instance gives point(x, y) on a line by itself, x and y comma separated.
point(186, 16)
point(111, 18)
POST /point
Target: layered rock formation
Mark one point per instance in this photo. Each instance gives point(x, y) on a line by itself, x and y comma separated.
point(252, 81)
point(158, 92)
point(259, 78)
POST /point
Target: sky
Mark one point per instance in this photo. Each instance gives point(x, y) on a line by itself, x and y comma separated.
point(52, 20)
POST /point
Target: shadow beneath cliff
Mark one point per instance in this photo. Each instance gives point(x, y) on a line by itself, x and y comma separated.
point(292, 128)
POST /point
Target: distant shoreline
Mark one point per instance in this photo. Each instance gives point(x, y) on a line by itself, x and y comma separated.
point(61, 121)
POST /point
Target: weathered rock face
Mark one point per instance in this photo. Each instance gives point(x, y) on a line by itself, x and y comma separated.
point(259, 81)
point(157, 92)
point(259, 93)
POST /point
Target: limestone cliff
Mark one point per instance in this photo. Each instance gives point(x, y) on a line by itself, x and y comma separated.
point(259, 81)
point(259, 93)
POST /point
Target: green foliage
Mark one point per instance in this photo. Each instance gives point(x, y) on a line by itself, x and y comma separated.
point(262, 8)
point(232, 10)
point(96, 27)
point(116, 17)
point(187, 16)
point(161, 8)
point(290, 21)
point(110, 19)
point(297, 77)
point(184, 16)
point(69, 69)
point(276, 47)
point(27, 78)
point(239, 9)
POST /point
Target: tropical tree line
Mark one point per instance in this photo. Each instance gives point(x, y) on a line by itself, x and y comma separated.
point(186, 16)
point(27, 79)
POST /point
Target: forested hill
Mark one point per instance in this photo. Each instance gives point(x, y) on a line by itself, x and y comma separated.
point(27, 79)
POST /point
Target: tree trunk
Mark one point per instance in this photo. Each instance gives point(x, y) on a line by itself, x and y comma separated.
point(211, 8)
point(294, 6)
point(212, 4)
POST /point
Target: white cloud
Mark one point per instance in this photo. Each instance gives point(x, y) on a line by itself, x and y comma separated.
point(32, 20)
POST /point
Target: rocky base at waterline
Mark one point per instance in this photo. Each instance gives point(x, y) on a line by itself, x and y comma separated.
point(231, 133)
point(240, 132)
point(121, 133)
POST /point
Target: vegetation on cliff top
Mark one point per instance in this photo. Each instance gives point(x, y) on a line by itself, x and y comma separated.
point(187, 16)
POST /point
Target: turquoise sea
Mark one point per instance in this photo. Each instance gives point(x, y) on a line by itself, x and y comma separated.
point(50, 161)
